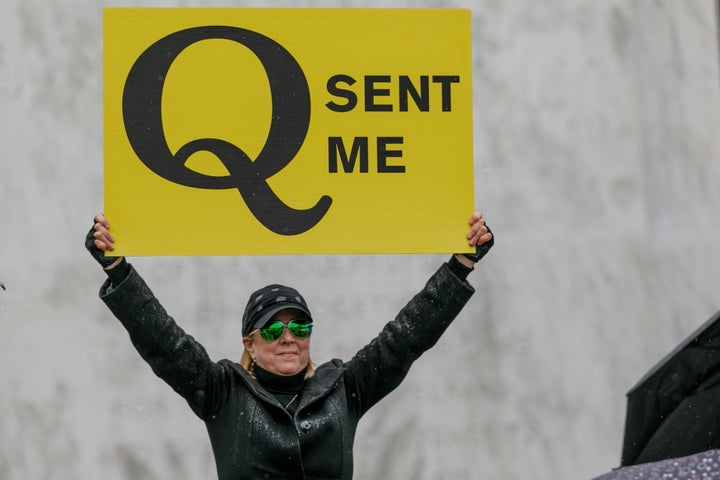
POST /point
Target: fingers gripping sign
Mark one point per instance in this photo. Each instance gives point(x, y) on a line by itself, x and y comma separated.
point(99, 241)
point(480, 236)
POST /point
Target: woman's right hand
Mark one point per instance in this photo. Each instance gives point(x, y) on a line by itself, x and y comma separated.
point(99, 241)
point(101, 233)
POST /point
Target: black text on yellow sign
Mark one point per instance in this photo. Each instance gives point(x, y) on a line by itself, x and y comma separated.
point(338, 147)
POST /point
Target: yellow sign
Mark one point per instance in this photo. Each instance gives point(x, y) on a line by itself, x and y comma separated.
point(286, 131)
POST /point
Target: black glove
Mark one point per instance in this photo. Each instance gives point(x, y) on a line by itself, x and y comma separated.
point(96, 253)
point(481, 250)
point(118, 273)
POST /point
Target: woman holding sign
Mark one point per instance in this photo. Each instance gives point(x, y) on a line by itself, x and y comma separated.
point(275, 415)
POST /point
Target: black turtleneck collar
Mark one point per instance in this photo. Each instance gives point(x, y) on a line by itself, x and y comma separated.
point(274, 383)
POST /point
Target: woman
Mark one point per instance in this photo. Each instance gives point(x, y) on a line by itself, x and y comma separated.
point(274, 415)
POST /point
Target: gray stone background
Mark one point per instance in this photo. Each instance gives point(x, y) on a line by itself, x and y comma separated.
point(597, 160)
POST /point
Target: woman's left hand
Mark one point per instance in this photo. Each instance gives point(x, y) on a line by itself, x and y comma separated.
point(479, 233)
point(480, 237)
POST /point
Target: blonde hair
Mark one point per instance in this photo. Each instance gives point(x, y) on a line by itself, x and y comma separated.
point(247, 363)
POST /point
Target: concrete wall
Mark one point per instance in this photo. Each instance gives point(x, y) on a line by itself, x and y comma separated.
point(597, 160)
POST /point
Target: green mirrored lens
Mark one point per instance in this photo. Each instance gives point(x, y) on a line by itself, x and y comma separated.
point(300, 330)
point(274, 331)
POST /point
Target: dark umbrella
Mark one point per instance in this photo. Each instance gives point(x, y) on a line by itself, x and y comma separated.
point(700, 466)
point(674, 410)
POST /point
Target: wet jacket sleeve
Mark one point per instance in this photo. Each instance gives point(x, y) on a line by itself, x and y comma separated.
point(174, 356)
point(380, 366)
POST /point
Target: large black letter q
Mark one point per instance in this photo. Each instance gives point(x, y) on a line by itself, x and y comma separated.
point(142, 99)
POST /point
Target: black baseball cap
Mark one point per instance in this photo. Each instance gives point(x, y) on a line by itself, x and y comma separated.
point(269, 300)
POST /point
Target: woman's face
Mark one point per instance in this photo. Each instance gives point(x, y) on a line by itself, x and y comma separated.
point(287, 355)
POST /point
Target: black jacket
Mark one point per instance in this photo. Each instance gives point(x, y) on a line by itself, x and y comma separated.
point(252, 435)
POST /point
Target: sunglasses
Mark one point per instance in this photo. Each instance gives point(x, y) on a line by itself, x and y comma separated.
point(272, 332)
